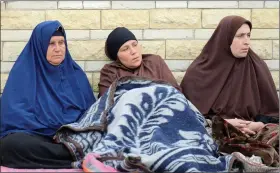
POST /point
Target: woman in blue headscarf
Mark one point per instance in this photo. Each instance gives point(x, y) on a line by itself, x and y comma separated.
point(45, 90)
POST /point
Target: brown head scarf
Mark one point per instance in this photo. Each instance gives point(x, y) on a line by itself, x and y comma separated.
point(218, 83)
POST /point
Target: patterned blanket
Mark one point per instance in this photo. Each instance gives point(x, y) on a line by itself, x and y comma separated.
point(145, 125)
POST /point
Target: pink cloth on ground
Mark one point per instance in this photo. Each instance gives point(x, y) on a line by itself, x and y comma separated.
point(91, 164)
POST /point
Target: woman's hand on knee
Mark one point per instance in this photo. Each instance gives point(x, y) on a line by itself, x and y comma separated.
point(247, 131)
point(238, 123)
point(255, 126)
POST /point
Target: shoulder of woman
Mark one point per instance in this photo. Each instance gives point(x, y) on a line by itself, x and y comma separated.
point(111, 67)
point(151, 57)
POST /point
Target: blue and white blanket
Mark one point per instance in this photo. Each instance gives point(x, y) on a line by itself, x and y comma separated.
point(147, 120)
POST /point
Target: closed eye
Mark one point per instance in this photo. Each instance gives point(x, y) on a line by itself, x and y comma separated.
point(124, 48)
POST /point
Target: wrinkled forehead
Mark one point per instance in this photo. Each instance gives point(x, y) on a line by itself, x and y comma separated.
point(129, 42)
point(229, 25)
point(43, 32)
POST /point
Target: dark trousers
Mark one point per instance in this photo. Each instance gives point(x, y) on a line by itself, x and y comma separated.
point(22, 150)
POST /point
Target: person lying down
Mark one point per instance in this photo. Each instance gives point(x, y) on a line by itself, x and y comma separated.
point(147, 125)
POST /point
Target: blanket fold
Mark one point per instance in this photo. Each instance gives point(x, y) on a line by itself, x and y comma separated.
point(144, 125)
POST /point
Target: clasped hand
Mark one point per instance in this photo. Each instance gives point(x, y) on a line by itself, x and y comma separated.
point(246, 127)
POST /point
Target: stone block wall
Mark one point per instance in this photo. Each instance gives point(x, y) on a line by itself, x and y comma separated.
point(175, 30)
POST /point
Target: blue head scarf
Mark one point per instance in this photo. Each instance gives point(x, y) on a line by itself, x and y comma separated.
point(39, 97)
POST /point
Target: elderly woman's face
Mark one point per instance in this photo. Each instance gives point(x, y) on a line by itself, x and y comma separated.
point(130, 54)
point(241, 42)
point(56, 50)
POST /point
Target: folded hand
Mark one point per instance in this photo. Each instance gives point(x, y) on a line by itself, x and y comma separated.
point(247, 127)
point(238, 123)
point(255, 126)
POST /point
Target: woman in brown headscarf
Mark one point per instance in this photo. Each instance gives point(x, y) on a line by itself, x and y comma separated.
point(228, 80)
point(124, 50)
